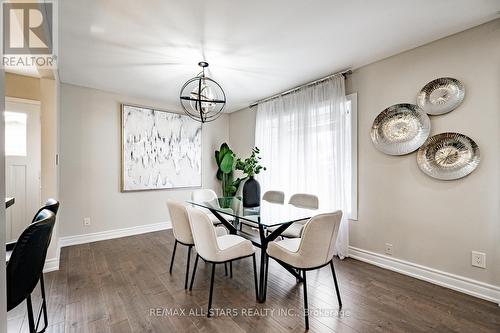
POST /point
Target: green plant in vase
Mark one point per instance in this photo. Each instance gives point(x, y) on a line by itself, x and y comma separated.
point(226, 161)
point(251, 167)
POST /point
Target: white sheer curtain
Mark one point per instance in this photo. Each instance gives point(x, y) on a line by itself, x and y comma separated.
point(305, 143)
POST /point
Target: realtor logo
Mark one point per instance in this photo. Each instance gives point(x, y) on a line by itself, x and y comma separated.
point(28, 34)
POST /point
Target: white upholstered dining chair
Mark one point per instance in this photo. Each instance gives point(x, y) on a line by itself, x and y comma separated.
point(274, 197)
point(182, 232)
point(203, 195)
point(302, 200)
point(207, 195)
point(312, 251)
point(217, 250)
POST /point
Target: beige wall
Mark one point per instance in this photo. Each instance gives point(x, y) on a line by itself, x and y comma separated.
point(242, 131)
point(49, 120)
point(49, 136)
point(429, 222)
point(90, 165)
point(22, 86)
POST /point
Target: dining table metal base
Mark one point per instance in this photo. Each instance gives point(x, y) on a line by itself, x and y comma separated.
point(261, 242)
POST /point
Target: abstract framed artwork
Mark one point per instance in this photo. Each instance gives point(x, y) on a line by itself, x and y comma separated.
point(160, 150)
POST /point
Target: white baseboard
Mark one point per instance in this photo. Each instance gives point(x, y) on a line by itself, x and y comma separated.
point(111, 234)
point(459, 283)
point(51, 265)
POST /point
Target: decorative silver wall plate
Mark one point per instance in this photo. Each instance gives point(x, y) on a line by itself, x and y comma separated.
point(441, 96)
point(400, 129)
point(448, 156)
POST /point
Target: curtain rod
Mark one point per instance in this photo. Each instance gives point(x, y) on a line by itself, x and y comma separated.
point(289, 91)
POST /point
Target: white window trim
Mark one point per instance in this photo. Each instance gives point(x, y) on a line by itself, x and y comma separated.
point(353, 98)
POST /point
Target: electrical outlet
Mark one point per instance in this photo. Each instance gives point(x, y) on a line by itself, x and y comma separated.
point(86, 221)
point(388, 249)
point(478, 259)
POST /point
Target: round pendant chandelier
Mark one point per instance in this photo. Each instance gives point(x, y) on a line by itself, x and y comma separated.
point(202, 98)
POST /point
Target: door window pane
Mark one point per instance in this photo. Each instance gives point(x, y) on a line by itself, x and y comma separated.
point(15, 134)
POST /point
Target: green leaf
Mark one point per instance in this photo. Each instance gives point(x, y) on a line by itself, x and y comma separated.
point(226, 165)
point(224, 149)
point(217, 157)
point(232, 190)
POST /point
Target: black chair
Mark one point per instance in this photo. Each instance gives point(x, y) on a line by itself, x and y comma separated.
point(51, 204)
point(25, 266)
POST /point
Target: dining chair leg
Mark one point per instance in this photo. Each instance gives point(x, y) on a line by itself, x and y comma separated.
point(255, 277)
point(44, 305)
point(231, 269)
point(187, 268)
point(173, 256)
point(336, 283)
point(225, 268)
point(211, 290)
point(194, 272)
point(306, 306)
point(31, 319)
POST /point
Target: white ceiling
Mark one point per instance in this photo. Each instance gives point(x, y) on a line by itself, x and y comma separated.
point(148, 49)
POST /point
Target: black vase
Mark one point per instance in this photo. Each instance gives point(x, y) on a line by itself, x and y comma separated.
point(251, 193)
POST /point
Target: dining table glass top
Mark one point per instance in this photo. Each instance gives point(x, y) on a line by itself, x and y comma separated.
point(268, 214)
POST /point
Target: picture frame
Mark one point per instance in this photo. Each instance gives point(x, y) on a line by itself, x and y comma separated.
point(159, 149)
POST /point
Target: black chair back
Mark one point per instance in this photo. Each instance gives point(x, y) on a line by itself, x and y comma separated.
point(51, 204)
point(28, 258)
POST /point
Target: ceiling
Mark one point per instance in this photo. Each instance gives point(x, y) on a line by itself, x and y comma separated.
point(148, 49)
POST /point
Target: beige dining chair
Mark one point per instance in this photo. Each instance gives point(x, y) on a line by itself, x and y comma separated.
point(182, 232)
point(312, 251)
point(304, 200)
point(208, 195)
point(274, 197)
point(301, 200)
point(277, 197)
point(217, 250)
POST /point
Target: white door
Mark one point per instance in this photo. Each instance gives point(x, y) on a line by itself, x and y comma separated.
point(22, 163)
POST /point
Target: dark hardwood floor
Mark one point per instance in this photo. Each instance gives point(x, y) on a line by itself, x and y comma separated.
point(116, 285)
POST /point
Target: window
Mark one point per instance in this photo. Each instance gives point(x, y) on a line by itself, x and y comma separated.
point(15, 133)
point(308, 141)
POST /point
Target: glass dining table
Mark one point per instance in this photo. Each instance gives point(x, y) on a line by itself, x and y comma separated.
point(233, 215)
